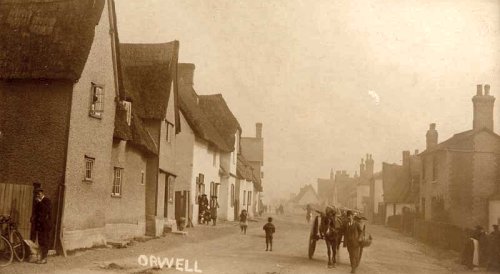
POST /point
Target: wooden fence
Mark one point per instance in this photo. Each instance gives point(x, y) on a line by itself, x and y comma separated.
point(17, 201)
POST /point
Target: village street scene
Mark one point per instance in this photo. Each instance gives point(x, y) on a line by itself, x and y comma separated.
point(249, 136)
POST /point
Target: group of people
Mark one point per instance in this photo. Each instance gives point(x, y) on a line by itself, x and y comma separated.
point(207, 212)
point(483, 249)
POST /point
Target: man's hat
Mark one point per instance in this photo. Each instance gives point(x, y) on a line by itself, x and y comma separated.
point(349, 213)
point(38, 189)
point(359, 218)
point(479, 227)
point(495, 226)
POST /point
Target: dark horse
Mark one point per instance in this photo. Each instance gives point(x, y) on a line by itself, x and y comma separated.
point(331, 229)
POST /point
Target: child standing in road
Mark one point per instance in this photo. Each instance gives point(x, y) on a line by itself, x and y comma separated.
point(269, 229)
point(243, 221)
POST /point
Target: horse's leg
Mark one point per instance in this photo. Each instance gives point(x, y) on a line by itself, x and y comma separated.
point(333, 246)
point(329, 253)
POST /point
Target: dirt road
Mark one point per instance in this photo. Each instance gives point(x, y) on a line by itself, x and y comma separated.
point(223, 249)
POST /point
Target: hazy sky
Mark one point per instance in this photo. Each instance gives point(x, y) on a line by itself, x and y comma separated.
point(332, 80)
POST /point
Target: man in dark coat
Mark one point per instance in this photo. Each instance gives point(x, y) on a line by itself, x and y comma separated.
point(494, 249)
point(41, 219)
point(352, 236)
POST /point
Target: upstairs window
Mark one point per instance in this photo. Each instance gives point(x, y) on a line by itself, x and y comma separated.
point(244, 197)
point(117, 182)
point(143, 177)
point(128, 107)
point(249, 198)
point(214, 160)
point(96, 101)
point(89, 168)
point(232, 195)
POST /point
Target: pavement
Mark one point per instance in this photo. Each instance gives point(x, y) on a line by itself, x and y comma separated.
point(223, 249)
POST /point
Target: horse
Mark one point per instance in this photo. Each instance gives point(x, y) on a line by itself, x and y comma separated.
point(331, 230)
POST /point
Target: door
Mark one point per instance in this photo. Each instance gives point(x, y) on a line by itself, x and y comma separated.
point(179, 205)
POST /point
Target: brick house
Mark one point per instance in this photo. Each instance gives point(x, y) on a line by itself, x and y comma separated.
point(326, 190)
point(461, 175)
point(58, 74)
point(346, 188)
point(400, 185)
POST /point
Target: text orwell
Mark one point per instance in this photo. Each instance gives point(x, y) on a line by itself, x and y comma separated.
point(177, 263)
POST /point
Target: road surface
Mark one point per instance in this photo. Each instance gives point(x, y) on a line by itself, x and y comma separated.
point(223, 249)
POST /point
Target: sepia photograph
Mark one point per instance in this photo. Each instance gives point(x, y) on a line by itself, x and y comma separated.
point(249, 136)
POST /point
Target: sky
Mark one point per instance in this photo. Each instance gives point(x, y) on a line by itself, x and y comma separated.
point(331, 80)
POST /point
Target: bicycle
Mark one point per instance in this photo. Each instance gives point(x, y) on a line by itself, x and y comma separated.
point(12, 243)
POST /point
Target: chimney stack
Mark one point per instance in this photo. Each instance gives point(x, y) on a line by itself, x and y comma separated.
point(258, 130)
point(331, 174)
point(185, 73)
point(406, 158)
point(361, 168)
point(369, 165)
point(483, 108)
point(416, 151)
point(432, 136)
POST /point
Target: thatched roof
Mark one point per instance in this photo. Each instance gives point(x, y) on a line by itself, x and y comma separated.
point(148, 71)
point(198, 120)
point(122, 129)
point(217, 111)
point(46, 39)
point(141, 137)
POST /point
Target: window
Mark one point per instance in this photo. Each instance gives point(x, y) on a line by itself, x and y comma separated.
point(233, 156)
point(128, 108)
point(117, 182)
point(249, 198)
point(232, 195)
point(170, 189)
point(96, 101)
point(200, 186)
point(262, 174)
point(214, 160)
point(212, 189)
point(143, 177)
point(244, 197)
point(424, 163)
point(170, 131)
point(89, 168)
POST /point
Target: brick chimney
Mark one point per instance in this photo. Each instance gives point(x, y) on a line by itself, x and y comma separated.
point(432, 136)
point(185, 74)
point(483, 108)
point(258, 130)
point(362, 168)
point(369, 165)
point(406, 158)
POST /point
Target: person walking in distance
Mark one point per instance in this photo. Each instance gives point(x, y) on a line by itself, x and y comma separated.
point(243, 221)
point(42, 221)
point(270, 230)
point(352, 237)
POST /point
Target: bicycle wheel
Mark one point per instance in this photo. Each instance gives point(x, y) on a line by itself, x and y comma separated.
point(17, 243)
point(6, 253)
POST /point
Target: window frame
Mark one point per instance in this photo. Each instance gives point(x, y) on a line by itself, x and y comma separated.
point(93, 112)
point(244, 197)
point(117, 189)
point(91, 161)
